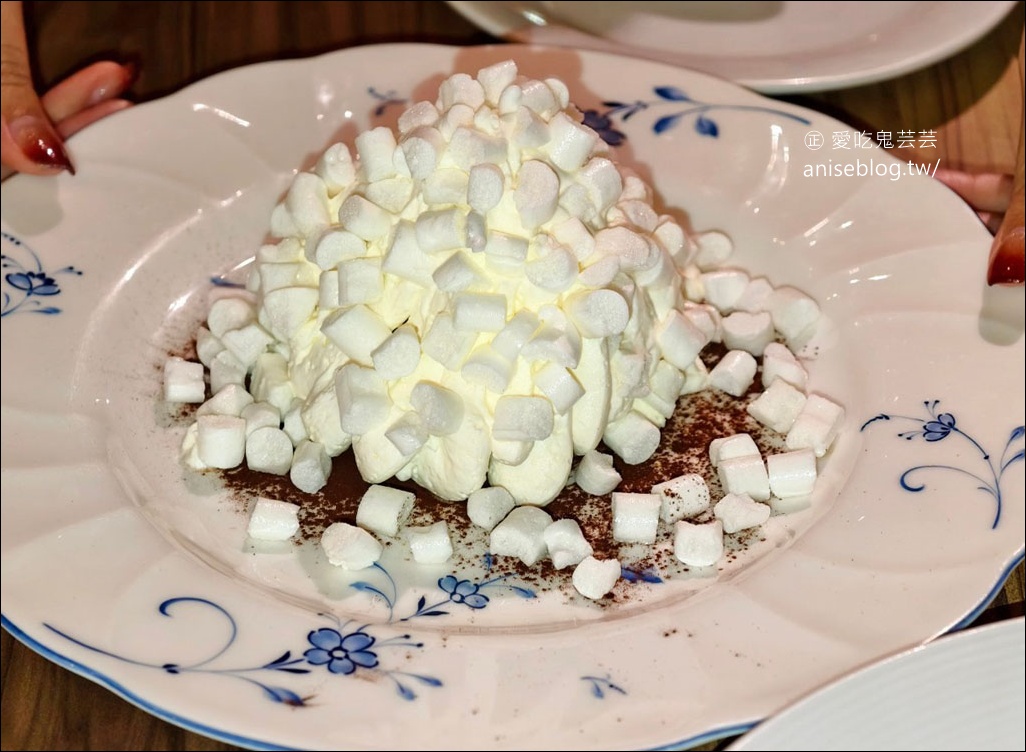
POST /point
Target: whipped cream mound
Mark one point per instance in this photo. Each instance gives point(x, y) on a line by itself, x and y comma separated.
point(473, 301)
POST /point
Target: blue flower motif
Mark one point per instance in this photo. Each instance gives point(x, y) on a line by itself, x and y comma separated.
point(463, 591)
point(935, 430)
point(343, 654)
point(33, 283)
point(603, 125)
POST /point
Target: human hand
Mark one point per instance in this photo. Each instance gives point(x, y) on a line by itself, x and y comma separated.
point(33, 128)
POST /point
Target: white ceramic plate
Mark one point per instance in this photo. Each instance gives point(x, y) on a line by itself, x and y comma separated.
point(118, 565)
point(963, 691)
point(773, 47)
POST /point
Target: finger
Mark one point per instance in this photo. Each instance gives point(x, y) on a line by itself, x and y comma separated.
point(28, 140)
point(80, 120)
point(1007, 263)
point(991, 220)
point(989, 191)
point(88, 87)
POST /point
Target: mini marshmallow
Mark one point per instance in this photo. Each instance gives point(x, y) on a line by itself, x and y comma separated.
point(750, 332)
point(528, 131)
point(311, 467)
point(445, 343)
point(816, 426)
point(407, 434)
point(440, 409)
point(469, 146)
point(680, 340)
point(734, 373)
point(430, 544)
point(495, 78)
point(260, 415)
point(334, 246)
point(634, 250)
point(792, 473)
point(270, 381)
point(272, 520)
point(593, 578)
point(570, 143)
point(487, 368)
point(398, 355)
point(694, 287)
point(778, 362)
point(522, 418)
point(556, 339)
point(635, 517)
point(487, 506)
point(292, 423)
point(575, 235)
point(517, 331)
point(375, 148)
point(363, 400)
point(221, 440)
point(327, 289)
point(793, 311)
point(754, 298)
point(208, 345)
point(350, 547)
point(230, 400)
point(477, 232)
point(595, 473)
point(712, 249)
point(521, 534)
point(485, 186)
point(670, 236)
point(286, 309)
point(731, 447)
point(364, 218)
point(479, 312)
point(456, 273)
point(511, 452)
point(566, 543)
point(559, 386)
point(737, 511)
point(356, 331)
point(637, 212)
point(441, 230)
point(404, 259)
point(383, 509)
point(683, 496)
point(359, 281)
point(778, 406)
point(183, 381)
point(336, 168)
point(745, 475)
point(539, 97)
point(417, 115)
point(724, 287)
point(447, 185)
point(273, 276)
point(633, 437)
point(554, 267)
point(696, 378)
point(698, 545)
point(601, 178)
point(269, 450)
point(321, 416)
point(506, 250)
point(598, 313)
point(536, 194)
point(423, 147)
point(229, 313)
point(247, 343)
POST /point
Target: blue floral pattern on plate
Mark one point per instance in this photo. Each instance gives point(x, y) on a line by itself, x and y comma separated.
point(26, 280)
point(939, 426)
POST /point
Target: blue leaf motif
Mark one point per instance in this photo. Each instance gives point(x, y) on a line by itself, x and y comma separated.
point(706, 126)
point(672, 93)
point(1018, 433)
point(1017, 457)
point(522, 591)
point(405, 692)
point(666, 122)
point(284, 696)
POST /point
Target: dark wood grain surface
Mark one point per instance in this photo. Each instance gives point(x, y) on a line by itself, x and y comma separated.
point(974, 101)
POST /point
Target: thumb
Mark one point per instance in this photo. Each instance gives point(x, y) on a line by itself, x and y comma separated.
point(28, 141)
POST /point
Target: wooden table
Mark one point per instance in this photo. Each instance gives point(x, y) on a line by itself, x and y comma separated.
point(974, 102)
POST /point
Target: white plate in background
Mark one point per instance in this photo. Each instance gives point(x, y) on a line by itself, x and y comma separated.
point(772, 47)
point(961, 691)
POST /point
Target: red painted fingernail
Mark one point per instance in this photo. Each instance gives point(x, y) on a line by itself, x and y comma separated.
point(40, 143)
point(1008, 258)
